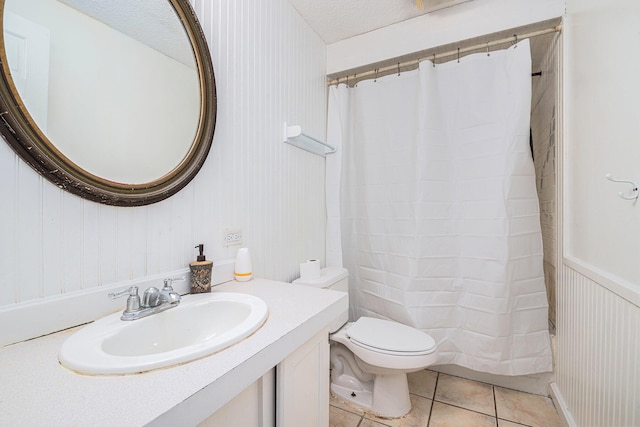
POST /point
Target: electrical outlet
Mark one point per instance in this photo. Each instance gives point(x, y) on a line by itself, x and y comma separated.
point(232, 237)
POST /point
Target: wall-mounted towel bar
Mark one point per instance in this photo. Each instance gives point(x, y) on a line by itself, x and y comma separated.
point(633, 195)
point(293, 135)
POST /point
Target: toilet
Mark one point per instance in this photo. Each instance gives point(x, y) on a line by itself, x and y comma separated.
point(370, 358)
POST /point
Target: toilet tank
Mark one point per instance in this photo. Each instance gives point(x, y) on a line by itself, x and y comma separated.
point(336, 279)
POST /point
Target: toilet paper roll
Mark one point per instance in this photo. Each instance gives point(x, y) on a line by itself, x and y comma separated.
point(310, 269)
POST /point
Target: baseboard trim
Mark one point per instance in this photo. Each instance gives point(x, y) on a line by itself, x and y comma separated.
point(561, 406)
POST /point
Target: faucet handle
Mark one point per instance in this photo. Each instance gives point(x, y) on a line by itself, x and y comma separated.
point(169, 282)
point(132, 291)
point(133, 300)
point(168, 293)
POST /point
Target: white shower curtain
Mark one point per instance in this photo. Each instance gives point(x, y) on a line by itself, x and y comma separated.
point(438, 218)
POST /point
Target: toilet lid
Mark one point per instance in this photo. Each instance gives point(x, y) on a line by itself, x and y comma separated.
point(389, 337)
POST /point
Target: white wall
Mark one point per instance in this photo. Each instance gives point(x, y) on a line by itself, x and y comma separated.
point(603, 121)
point(465, 21)
point(599, 287)
point(269, 69)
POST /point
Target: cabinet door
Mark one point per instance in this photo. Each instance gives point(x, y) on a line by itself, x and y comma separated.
point(302, 391)
point(255, 406)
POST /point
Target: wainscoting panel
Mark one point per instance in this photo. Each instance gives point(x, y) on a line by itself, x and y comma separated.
point(598, 344)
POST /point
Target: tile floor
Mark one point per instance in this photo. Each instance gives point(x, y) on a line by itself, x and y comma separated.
point(440, 400)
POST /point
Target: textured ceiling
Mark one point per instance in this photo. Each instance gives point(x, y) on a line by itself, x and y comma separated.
point(151, 22)
point(335, 20)
point(154, 22)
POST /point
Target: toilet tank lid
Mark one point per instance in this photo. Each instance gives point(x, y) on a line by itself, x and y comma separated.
point(328, 276)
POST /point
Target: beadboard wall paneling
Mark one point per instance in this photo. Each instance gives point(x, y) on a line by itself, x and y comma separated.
point(597, 367)
point(8, 215)
point(270, 68)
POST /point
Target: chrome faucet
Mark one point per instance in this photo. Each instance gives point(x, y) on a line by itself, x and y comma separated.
point(153, 301)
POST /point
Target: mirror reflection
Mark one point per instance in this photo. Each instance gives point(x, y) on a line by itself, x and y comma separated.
point(113, 85)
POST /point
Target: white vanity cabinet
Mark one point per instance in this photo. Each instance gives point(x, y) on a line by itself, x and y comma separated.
point(294, 394)
point(279, 375)
point(302, 391)
point(255, 406)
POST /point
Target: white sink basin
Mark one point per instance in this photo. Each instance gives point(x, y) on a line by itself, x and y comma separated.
point(199, 326)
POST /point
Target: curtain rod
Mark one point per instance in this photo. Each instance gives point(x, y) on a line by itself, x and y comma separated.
point(414, 62)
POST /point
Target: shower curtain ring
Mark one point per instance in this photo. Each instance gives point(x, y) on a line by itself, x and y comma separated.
point(516, 40)
point(488, 54)
point(398, 69)
point(434, 60)
point(376, 76)
point(458, 55)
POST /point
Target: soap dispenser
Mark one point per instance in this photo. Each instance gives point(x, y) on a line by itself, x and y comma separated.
point(200, 273)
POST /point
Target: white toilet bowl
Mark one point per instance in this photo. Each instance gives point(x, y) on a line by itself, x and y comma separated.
point(373, 373)
point(370, 358)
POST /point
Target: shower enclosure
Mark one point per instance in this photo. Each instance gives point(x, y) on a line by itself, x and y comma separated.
point(438, 212)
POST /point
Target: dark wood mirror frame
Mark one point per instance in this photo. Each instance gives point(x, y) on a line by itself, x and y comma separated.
point(19, 129)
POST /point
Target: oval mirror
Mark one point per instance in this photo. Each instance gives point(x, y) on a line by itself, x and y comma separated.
point(113, 101)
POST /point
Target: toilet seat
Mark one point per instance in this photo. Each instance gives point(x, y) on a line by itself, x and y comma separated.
point(389, 337)
point(385, 358)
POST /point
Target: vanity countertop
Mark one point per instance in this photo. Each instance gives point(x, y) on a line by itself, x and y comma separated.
point(35, 390)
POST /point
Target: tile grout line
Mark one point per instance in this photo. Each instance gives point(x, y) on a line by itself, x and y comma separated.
point(433, 399)
point(469, 410)
point(495, 408)
point(495, 404)
point(363, 416)
point(350, 412)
